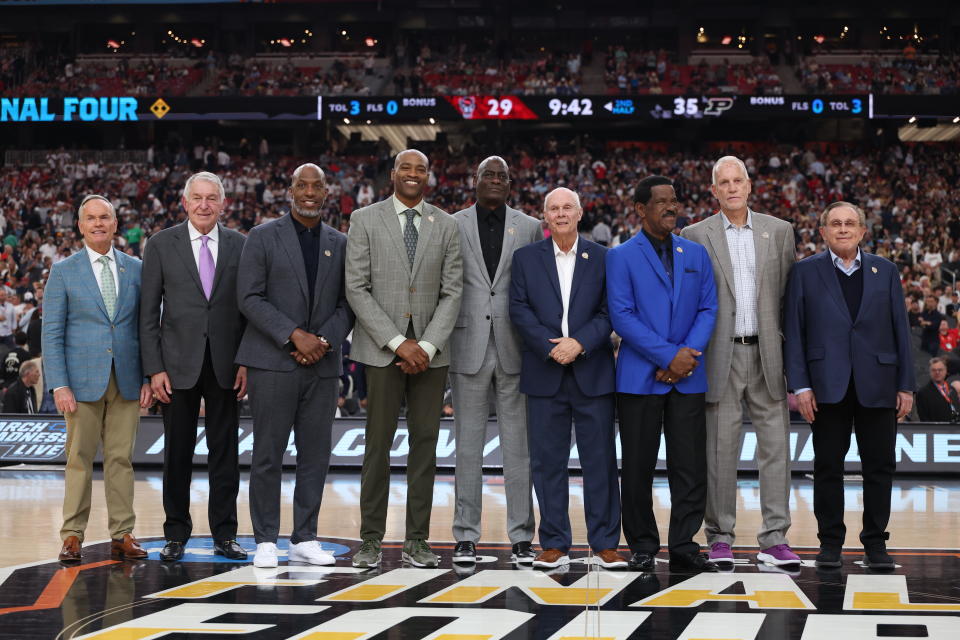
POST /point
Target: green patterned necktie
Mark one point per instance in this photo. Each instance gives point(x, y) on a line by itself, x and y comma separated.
point(410, 235)
point(108, 285)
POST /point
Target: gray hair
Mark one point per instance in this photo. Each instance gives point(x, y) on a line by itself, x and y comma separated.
point(837, 205)
point(729, 160)
point(308, 165)
point(27, 367)
point(204, 175)
point(492, 159)
point(94, 196)
point(938, 360)
point(576, 198)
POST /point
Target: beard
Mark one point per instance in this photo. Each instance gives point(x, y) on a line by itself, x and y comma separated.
point(306, 213)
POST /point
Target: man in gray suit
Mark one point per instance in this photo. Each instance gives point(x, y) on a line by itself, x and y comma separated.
point(190, 328)
point(404, 281)
point(752, 254)
point(291, 289)
point(485, 356)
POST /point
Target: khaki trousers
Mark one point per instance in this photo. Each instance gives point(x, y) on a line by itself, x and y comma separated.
point(113, 420)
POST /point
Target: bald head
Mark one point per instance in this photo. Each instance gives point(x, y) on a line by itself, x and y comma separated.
point(493, 183)
point(308, 191)
point(409, 155)
point(410, 171)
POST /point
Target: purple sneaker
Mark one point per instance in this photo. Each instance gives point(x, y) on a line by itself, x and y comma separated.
point(720, 553)
point(778, 555)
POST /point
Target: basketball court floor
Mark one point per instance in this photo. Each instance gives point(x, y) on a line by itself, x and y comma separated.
point(206, 596)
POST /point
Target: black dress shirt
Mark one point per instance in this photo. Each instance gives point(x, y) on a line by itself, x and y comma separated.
point(310, 248)
point(663, 249)
point(490, 226)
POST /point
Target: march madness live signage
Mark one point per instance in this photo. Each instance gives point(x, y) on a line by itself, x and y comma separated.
point(920, 447)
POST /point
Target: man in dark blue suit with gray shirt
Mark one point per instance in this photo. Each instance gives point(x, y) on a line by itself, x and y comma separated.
point(848, 360)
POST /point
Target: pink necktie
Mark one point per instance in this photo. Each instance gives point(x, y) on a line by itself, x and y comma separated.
point(207, 268)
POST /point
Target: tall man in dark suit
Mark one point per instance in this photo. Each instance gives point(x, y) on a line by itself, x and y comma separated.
point(291, 289)
point(558, 304)
point(663, 304)
point(404, 280)
point(751, 254)
point(849, 362)
point(190, 328)
point(937, 401)
point(485, 358)
point(91, 357)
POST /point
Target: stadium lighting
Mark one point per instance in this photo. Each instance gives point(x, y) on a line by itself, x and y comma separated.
point(346, 121)
point(956, 120)
point(912, 119)
point(433, 121)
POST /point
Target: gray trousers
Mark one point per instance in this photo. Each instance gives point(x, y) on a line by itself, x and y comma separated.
point(471, 395)
point(770, 419)
point(281, 401)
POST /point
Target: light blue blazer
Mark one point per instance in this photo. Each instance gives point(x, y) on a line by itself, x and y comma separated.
point(80, 342)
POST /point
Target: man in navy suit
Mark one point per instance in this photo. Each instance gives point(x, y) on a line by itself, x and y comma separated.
point(558, 305)
point(848, 360)
point(663, 304)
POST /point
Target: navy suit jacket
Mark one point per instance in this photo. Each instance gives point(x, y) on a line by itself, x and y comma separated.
point(654, 317)
point(825, 346)
point(536, 310)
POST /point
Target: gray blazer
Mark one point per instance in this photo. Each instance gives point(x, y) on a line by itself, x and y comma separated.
point(176, 319)
point(273, 295)
point(479, 309)
point(387, 294)
point(775, 254)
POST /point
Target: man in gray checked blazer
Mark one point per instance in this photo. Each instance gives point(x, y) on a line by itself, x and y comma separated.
point(485, 355)
point(404, 278)
point(752, 254)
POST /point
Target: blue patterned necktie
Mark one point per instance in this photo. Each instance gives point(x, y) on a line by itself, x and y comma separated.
point(109, 285)
point(410, 235)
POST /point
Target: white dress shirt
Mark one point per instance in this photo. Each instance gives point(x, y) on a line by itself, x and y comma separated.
point(743, 257)
point(401, 208)
point(98, 268)
point(213, 244)
point(566, 262)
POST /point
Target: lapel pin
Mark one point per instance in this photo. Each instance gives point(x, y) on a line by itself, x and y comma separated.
point(764, 235)
point(511, 230)
point(679, 249)
point(874, 269)
point(327, 253)
point(585, 255)
point(122, 269)
point(430, 218)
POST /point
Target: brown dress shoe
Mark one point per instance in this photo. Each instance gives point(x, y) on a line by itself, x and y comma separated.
point(610, 559)
point(70, 551)
point(128, 547)
point(550, 558)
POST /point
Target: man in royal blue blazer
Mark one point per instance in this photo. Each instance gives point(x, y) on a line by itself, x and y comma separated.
point(558, 305)
point(848, 360)
point(91, 358)
point(663, 305)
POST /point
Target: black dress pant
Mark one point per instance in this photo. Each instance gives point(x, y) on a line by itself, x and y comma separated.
point(876, 431)
point(180, 438)
point(682, 418)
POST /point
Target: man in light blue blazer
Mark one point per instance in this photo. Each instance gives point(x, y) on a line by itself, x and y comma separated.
point(91, 359)
point(663, 303)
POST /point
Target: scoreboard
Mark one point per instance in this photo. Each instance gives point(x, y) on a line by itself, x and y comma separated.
point(406, 109)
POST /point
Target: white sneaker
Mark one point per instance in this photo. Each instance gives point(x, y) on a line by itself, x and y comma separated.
point(266, 556)
point(310, 552)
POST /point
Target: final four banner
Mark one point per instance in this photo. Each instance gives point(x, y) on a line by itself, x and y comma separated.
point(921, 447)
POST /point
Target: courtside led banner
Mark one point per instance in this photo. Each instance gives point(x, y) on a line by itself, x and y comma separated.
point(921, 447)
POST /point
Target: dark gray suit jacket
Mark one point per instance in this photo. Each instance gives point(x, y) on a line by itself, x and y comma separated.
point(272, 290)
point(176, 319)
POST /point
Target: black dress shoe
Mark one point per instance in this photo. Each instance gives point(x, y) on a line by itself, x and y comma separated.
point(642, 562)
point(172, 551)
point(523, 553)
point(230, 549)
point(877, 558)
point(694, 561)
point(829, 557)
point(465, 553)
